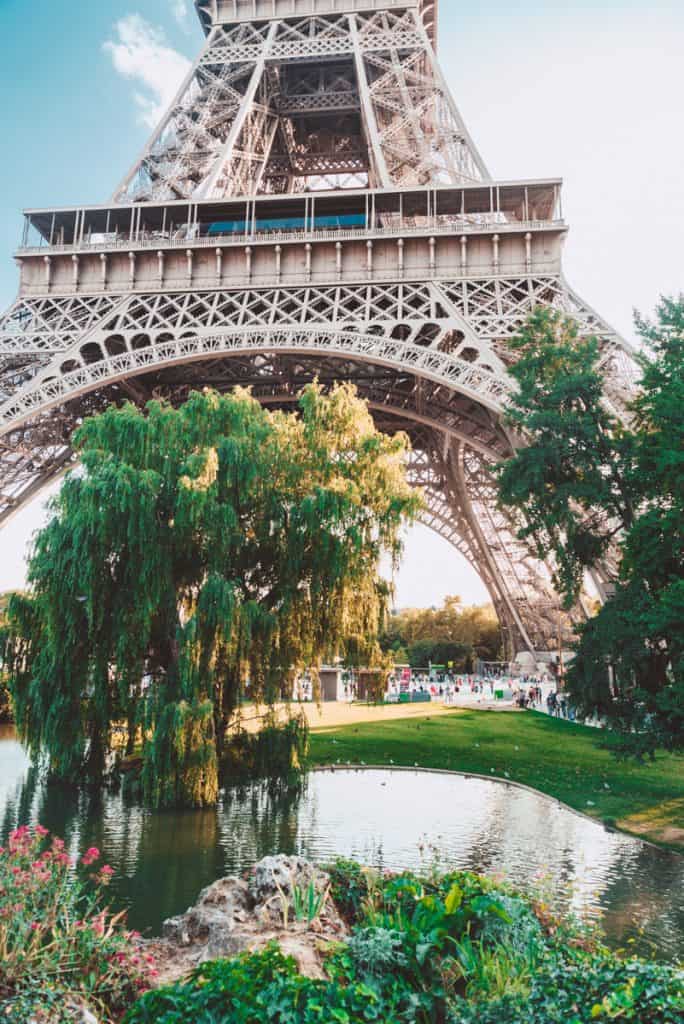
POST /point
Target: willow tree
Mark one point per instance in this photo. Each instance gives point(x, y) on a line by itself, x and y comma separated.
point(194, 550)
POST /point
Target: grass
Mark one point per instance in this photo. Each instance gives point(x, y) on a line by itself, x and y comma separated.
point(561, 759)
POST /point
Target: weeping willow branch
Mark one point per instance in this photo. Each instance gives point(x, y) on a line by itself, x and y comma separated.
point(198, 549)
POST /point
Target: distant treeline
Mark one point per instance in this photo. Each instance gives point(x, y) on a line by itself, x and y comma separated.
point(453, 634)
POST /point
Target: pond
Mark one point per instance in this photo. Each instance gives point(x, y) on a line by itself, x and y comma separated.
point(388, 819)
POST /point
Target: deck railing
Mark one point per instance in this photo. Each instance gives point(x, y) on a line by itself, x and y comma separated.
point(159, 240)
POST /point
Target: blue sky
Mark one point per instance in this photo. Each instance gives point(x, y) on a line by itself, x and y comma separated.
point(591, 91)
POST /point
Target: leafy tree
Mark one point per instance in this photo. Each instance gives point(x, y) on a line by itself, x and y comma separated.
point(199, 548)
point(399, 655)
point(586, 482)
point(450, 633)
point(441, 652)
point(5, 698)
point(639, 632)
point(571, 481)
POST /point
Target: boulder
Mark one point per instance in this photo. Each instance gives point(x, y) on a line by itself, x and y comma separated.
point(213, 919)
point(232, 916)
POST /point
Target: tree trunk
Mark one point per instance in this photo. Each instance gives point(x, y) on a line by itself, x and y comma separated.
point(95, 763)
point(131, 730)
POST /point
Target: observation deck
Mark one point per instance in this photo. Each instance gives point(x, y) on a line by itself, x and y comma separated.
point(355, 235)
point(232, 12)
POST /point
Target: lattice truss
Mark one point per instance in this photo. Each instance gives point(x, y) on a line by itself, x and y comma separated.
point(273, 106)
point(461, 506)
point(57, 346)
point(427, 355)
point(283, 106)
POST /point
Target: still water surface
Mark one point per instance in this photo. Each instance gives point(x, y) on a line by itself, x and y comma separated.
point(382, 818)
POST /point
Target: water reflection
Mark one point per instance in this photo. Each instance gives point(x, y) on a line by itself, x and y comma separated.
point(382, 818)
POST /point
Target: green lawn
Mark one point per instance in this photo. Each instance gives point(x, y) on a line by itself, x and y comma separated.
point(559, 758)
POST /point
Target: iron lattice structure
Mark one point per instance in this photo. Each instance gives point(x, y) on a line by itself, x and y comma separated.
point(311, 205)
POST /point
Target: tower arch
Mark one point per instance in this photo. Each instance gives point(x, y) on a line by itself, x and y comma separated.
point(310, 205)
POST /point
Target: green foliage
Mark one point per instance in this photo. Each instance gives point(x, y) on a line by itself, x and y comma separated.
point(577, 987)
point(587, 487)
point(307, 903)
point(278, 750)
point(426, 918)
point(6, 711)
point(495, 972)
point(260, 987)
point(570, 482)
point(429, 652)
point(59, 947)
point(451, 949)
point(350, 886)
point(640, 631)
point(197, 550)
point(451, 633)
point(376, 951)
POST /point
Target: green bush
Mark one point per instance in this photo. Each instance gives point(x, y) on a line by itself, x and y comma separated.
point(350, 886)
point(579, 987)
point(258, 987)
point(277, 751)
point(59, 946)
point(455, 949)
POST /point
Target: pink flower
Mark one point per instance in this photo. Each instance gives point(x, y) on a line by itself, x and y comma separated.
point(41, 831)
point(35, 926)
point(90, 856)
point(104, 876)
point(18, 839)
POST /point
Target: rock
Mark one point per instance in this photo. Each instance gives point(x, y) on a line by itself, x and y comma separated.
point(232, 916)
point(213, 917)
point(275, 875)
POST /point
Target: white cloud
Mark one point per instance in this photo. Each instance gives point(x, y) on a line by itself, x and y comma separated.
point(141, 52)
point(180, 11)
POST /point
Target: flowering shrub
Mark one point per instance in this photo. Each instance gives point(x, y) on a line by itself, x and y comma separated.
point(60, 948)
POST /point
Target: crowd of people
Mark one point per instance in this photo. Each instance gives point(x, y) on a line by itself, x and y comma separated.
point(540, 692)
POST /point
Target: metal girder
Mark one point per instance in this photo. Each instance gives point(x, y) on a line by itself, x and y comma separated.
point(216, 137)
point(302, 103)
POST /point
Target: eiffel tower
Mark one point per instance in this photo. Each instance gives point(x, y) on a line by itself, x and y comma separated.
point(311, 204)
